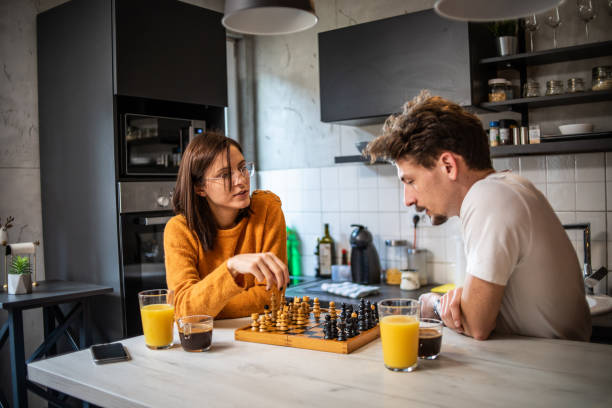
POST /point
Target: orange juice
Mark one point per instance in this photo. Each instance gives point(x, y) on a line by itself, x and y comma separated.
point(157, 321)
point(400, 340)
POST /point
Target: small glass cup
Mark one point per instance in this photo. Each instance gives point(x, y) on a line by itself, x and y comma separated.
point(399, 333)
point(195, 332)
point(430, 338)
point(157, 313)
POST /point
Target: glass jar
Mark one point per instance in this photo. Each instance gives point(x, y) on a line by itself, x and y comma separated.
point(494, 133)
point(602, 78)
point(531, 89)
point(554, 87)
point(575, 85)
point(505, 131)
point(396, 255)
point(509, 90)
point(497, 90)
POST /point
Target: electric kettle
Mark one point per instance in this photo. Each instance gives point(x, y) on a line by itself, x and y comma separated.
point(365, 264)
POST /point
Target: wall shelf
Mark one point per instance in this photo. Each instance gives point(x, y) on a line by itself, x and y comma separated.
point(591, 50)
point(552, 100)
point(582, 144)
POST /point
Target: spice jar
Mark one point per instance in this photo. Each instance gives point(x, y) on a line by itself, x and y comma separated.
point(575, 85)
point(505, 132)
point(497, 90)
point(554, 87)
point(494, 133)
point(531, 89)
point(602, 78)
point(396, 255)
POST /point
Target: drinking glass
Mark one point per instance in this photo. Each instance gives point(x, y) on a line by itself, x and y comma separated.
point(586, 11)
point(157, 313)
point(195, 332)
point(553, 20)
point(531, 25)
point(399, 333)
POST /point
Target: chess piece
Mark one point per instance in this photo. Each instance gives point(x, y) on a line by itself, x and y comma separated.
point(254, 324)
point(327, 327)
point(341, 330)
point(306, 299)
point(332, 310)
point(376, 313)
point(262, 324)
point(316, 310)
point(355, 324)
point(301, 318)
point(273, 307)
point(334, 329)
point(283, 323)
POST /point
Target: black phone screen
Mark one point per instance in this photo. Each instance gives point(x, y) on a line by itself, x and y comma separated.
point(107, 353)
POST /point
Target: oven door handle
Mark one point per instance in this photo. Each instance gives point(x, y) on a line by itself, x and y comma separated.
point(153, 220)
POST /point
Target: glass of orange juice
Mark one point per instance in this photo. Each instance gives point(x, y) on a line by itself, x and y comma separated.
point(399, 333)
point(157, 314)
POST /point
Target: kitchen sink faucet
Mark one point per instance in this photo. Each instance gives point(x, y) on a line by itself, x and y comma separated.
point(590, 279)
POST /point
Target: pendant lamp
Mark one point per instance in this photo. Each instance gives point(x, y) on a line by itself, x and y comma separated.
point(268, 17)
point(492, 10)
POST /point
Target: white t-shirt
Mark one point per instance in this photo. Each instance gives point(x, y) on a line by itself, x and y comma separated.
point(513, 238)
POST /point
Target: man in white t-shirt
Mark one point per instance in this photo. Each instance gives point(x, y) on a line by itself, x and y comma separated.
point(523, 275)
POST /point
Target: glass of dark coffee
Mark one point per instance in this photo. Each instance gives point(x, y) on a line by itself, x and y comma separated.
point(195, 332)
point(430, 338)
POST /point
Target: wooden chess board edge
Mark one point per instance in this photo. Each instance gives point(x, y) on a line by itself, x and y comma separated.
point(363, 339)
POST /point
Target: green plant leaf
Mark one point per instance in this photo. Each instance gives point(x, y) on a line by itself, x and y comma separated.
point(20, 265)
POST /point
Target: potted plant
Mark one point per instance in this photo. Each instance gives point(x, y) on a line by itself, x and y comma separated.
point(505, 32)
point(4, 229)
point(19, 276)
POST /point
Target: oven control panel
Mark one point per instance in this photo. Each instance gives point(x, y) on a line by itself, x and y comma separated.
point(142, 196)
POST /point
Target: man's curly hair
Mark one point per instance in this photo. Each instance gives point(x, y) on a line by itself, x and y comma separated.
point(428, 126)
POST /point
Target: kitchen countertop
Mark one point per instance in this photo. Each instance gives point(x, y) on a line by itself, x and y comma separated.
point(503, 371)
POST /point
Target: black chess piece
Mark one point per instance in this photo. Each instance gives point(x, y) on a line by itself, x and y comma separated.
point(334, 329)
point(361, 320)
point(342, 330)
point(327, 327)
point(376, 313)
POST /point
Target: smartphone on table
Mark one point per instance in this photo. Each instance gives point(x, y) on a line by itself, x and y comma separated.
point(109, 353)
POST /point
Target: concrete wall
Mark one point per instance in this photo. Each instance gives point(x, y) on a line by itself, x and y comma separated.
point(296, 150)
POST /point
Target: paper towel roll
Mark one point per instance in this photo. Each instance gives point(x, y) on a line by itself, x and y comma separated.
point(23, 248)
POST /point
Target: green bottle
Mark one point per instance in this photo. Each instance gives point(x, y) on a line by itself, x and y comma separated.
point(326, 254)
point(294, 260)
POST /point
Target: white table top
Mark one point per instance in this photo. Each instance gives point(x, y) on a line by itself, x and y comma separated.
point(510, 371)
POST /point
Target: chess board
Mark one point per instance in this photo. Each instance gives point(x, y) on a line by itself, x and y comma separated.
point(309, 337)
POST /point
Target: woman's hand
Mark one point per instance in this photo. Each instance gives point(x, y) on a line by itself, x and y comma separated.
point(263, 266)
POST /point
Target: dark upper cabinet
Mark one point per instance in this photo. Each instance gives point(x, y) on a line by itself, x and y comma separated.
point(170, 50)
point(368, 71)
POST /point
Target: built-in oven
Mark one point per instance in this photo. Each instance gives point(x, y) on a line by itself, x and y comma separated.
point(144, 209)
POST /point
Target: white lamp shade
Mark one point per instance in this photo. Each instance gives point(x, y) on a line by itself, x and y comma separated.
point(492, 10)
point(271, 17)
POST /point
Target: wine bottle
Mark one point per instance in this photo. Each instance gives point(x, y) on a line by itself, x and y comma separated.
point(326, 253)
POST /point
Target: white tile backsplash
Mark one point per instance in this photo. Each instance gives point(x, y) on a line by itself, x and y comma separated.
point(568, 218)
point(562, 196)
point(598, 224)
point(329, 178)
point(507, 163)
point(591, 196)
point(533, 168)
point(590, 167)
point(311, 200)
point(368, 199)
point(311, 179)
point(560, 168)
point(387, 177)
point(368, 177)
point(349, 200)
point(330, 200)
point(608, 196)
point(389, 225)
point(387, 200)
point(609, 168)
point(348, 177)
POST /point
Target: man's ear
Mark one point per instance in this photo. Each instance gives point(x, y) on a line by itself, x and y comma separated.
point(449, 165)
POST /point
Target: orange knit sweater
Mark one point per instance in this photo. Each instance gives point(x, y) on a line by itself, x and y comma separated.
point(202, 283)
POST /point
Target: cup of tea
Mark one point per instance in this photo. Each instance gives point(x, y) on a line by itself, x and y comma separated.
point(195, 332)
point(399, 333)
point(157, 314)
point(430, 338)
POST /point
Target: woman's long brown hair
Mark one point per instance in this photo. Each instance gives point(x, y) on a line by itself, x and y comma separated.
point(198, 157)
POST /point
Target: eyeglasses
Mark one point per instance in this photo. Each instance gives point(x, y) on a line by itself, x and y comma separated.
point(246, 170)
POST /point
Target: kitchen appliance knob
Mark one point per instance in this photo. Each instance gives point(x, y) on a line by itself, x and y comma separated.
point(163, 201)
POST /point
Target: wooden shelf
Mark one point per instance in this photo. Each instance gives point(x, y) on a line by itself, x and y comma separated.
point(591, 50)
point(356, 159)
point(553, 100)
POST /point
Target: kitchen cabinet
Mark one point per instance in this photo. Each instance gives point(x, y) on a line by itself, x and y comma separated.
point(367, 71)
point(171, 51)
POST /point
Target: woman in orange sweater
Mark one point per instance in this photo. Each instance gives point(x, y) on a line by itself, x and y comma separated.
point(225, 249)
